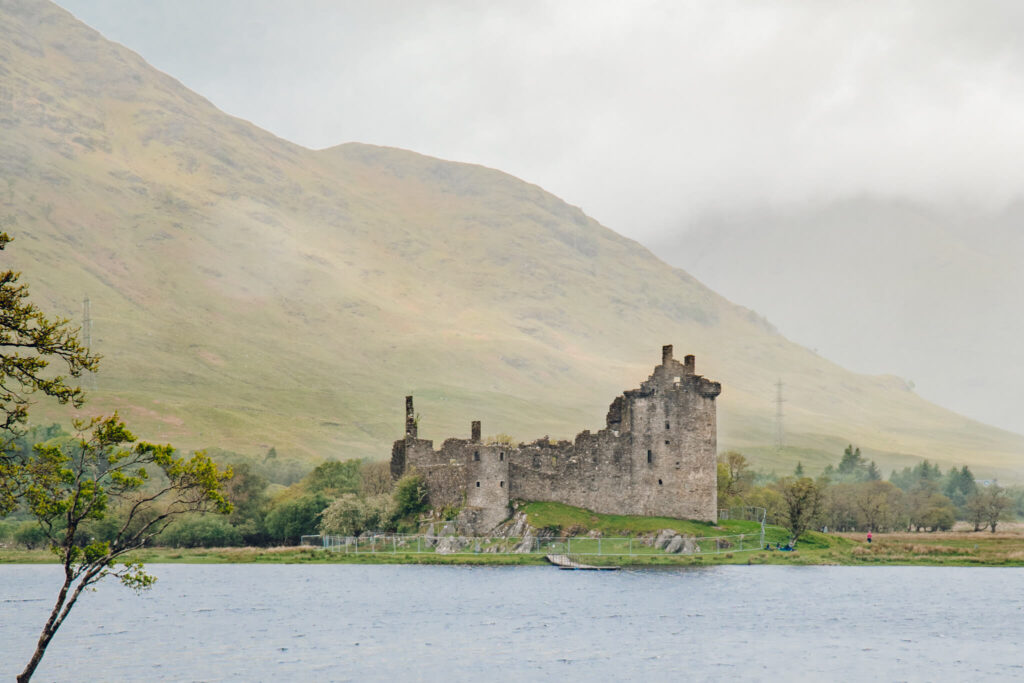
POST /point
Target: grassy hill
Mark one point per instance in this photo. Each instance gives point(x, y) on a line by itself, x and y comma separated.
point(249, 293)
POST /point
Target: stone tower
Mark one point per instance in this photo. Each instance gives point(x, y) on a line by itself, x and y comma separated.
point(655, 456)
point(670, 422)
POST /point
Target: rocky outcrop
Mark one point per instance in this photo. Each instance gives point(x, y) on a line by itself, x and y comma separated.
point(451, 544)
point(672, 541)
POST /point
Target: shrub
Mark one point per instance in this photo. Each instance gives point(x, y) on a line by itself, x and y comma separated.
point(30, 535)
point(201, 532)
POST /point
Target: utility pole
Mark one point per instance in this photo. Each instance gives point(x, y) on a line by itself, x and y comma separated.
point(87, 334)
point(779, 433)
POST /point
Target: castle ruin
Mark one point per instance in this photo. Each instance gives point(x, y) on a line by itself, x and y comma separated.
point(655, 457)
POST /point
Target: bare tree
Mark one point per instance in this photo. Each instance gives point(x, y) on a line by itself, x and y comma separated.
point(375, 478)
point(988, 506)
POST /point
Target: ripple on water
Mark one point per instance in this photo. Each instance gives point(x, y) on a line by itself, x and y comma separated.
point(442, 623)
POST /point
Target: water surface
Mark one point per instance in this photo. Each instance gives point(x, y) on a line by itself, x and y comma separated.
point(343, 622)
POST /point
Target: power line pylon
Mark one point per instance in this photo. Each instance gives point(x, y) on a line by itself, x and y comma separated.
point(87, 335)
point(780, 434)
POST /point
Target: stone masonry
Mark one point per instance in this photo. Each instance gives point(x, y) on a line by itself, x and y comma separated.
point(655, 457)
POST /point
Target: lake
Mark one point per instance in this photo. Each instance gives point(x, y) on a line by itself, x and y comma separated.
point(345, 622)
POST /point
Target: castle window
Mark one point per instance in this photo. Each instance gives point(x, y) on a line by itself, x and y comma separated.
point(502, 484)
point(667, 443)
point(659, 483)
point(667, 426)
point(501, 456)
point(476, 455)
point(649, 456)
point(478, 484)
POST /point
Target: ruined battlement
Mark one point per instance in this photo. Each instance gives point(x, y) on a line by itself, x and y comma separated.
point(655, 457)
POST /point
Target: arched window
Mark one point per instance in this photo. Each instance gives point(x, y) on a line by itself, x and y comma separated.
point(650, 458)
point(476, 455)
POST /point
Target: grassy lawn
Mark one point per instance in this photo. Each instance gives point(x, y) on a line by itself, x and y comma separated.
point(570, 520)
point(938, 549)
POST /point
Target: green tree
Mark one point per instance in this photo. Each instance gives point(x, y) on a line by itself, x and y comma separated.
point(29, 343)
point(803, 503)
point(287, 522)
point(411, 495)
point(872, 473)
point(770, 500)
point(334, 477)
point(247, 492)
point(958, 485)
point(929, 509)
point(851, 461)
point(734, 476)
point(351, 516)
point(839, 510)
point(878, 504)
point(910, 478)
point(799, 471)
point(108, 469)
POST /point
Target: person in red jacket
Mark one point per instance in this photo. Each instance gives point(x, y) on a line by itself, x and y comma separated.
point(869, 537)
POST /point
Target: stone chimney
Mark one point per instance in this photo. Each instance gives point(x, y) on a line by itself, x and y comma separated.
point(410, 418)
point(690, 365)
point(666, 354)
point(475, 431)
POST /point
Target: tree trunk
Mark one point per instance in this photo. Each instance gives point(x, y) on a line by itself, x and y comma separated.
point(46, 636)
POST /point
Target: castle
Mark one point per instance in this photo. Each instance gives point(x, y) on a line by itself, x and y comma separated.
point(655, 457)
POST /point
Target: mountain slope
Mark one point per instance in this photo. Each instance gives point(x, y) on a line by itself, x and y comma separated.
point(250, 293)
point(898, 286)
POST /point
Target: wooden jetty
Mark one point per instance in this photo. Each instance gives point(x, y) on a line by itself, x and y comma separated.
point(570, 562)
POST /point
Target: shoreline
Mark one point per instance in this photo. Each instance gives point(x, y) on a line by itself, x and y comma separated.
point(943, 549)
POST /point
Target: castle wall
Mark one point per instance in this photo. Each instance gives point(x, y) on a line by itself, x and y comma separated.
point(464, 472)
point(655, 457)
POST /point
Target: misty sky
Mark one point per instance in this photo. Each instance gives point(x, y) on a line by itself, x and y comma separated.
point(642, 113)
point(651, 116)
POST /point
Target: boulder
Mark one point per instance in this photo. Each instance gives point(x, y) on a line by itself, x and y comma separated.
point(451, 544)
point(664, 537)
point(525, 546)
point(675, 545)
point(682, 544)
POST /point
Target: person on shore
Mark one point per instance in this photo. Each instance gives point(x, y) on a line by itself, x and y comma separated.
point(869, 537)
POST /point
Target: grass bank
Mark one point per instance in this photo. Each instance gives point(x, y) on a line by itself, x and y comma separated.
point(923, 549)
